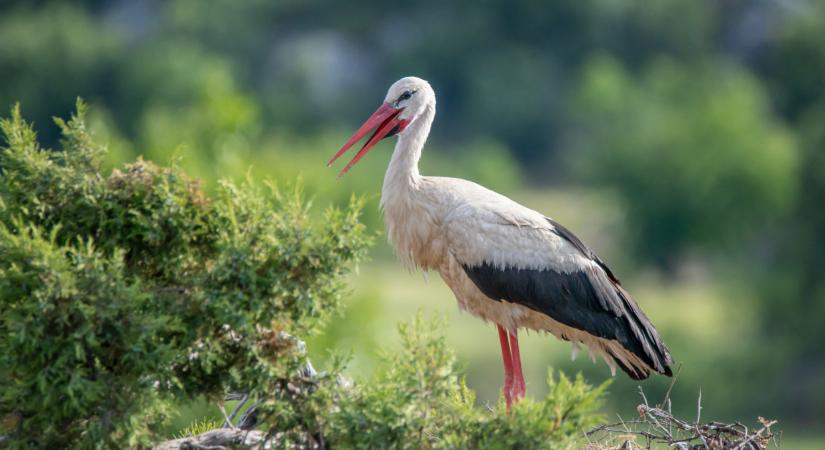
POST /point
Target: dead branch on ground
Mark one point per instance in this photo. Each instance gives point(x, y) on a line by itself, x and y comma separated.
point(658, 425)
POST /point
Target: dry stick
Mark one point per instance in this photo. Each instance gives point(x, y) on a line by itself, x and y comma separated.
point(226, 419)
point(704, 441)
point(666, 400)
point(648, 412)
point(672, 382)
point(732, 436)
point(193, 446)
point(228, 422)
point(608, 427)
point(766, 427)
point(216, 439)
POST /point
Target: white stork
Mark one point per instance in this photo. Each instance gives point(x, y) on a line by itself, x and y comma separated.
point(505, 263)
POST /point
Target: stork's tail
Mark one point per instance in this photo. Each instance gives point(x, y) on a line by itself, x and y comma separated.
point(654, 355)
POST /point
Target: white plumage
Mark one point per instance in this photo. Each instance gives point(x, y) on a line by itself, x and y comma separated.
point(485, 245)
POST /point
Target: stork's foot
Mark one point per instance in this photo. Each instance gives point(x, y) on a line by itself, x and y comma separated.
point(512, 394)
point(514, 391)
point(518, 389)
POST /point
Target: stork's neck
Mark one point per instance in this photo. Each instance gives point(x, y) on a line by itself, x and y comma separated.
point(403, 169)
point(406, 214)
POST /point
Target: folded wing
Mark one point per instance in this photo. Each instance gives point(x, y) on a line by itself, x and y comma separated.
point(514, 254)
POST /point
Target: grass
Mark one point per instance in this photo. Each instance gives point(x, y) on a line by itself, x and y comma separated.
point(199, 426)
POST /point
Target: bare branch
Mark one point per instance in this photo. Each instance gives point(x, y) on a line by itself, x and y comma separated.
point(241, 401)
point(657, 425)
point(220, 438)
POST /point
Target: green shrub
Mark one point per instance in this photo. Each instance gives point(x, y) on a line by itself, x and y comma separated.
point(419, 401)
point(122, 293)
point(126, 294)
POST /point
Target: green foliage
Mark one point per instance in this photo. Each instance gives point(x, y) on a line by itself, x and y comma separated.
point(791, 281)
point(79, 352)
point(418, 401)
point(124, 292)
point(694, 153)
point(67, 38)
point(195, 108)
point(797, 55)
point(555, 422)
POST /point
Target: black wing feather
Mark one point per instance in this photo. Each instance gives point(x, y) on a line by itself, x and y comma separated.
point(591, 300)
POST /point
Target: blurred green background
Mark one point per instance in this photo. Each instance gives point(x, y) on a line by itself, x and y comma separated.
point(683, 140)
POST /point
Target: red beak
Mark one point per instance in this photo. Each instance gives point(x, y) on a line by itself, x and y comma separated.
point(386, 120)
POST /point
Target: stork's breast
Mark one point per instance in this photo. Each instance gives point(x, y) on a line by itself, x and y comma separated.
point(414, 235)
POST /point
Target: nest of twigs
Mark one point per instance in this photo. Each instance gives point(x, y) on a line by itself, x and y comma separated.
point(657, 427)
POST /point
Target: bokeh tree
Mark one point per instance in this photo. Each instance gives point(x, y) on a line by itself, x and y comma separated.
point(694, 153)
point(792, 278)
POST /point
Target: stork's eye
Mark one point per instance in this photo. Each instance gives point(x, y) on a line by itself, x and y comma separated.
point(405, 96)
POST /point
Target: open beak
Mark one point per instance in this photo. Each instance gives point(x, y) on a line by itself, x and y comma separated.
point(384, 121)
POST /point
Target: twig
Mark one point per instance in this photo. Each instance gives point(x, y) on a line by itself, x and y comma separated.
point(228, 420)
point(766, 427)
point(193, 446)
point(670, 388)
point(659, 426)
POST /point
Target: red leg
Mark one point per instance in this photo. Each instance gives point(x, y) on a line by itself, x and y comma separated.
point(508, 365)
point(518, 376)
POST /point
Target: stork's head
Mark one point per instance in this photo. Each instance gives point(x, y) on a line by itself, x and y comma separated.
point(406, 100)
point(411, 95)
